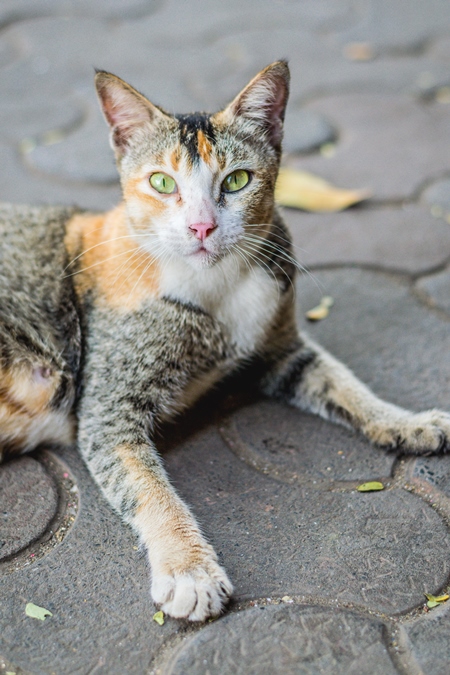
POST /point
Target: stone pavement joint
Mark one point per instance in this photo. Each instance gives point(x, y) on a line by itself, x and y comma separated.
point(327, 580)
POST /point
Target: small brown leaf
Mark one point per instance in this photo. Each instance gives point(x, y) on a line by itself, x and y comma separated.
point(302, 190)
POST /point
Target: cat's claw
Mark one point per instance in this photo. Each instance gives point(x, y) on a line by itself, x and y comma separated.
point(194, 594)
point(417, 434)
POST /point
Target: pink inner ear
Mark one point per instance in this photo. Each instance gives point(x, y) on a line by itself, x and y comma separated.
point(122, 109)
point(264, 101)
point(278, 103)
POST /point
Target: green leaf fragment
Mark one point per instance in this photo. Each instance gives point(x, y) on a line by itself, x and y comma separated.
point(159, 618)
point(370, 487)
point(37, 612)
point(434, 601)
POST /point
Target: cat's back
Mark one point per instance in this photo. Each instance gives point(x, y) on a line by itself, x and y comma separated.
point(38, 311)
point(31, 236)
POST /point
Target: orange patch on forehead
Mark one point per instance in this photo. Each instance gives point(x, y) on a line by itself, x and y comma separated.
point(204, 147)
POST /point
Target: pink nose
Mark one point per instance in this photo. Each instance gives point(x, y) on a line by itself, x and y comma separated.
point(202, 230)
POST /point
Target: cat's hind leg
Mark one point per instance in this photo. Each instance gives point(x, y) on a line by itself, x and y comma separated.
point(309, 378)
point(28, 413)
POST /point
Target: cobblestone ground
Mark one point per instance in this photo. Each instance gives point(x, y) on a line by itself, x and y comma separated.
point(328, 580)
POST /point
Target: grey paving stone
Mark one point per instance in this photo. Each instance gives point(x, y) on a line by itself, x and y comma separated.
point(22, 185)
point(41, 123)
point(400, 25)
point(186, 23)
point(438, 195)
point(383, 333)
point(48, 73)
point(294, 447)
point(29, 500)
point(16, 10)
point(439, 48)
point(9, 51)
point(292, 640)
point(388, 143)
point(96, 585)
point(408, 239)
point(436, 288)
point(317, 66)
point(304, 131)
point(275, 539)
point(434, 470)
point(84, 155)
point(429, 639)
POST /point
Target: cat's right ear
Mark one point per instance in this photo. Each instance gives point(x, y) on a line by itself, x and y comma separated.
point(125, 110)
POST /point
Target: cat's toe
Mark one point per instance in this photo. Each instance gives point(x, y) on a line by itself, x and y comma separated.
point(195, 594)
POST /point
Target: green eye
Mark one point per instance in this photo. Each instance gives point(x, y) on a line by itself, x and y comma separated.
point(236, 181)
point(163, 183)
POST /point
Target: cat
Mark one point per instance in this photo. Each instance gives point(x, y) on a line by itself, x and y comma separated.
point(113, 322)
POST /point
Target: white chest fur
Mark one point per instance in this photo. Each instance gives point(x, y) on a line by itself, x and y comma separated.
point(243, 300)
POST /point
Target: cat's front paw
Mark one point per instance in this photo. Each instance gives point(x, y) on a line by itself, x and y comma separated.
point(418, 434)
point(195, 593)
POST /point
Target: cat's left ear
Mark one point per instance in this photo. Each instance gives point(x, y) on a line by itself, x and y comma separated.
point(263, 102)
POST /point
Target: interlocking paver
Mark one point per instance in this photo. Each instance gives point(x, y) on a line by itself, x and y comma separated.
point(430, 643)
point(20, 184)
point(273, 488)
point(28, 503)
point(389, 143)
point(298, 448)
point(96, 585)
point(436, 288)
point(403, 26)
point(378, 328)
point(367, 549)
point(438, 195)
point(407, 239)
point(435, 471)
point(12, 11)
point(293, 640)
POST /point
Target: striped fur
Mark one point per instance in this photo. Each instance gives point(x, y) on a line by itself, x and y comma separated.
point(125, 318)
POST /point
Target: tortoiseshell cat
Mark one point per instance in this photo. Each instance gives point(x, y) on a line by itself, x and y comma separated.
point(123, 318)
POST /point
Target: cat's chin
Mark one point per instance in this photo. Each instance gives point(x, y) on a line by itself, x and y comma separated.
point(202, 259)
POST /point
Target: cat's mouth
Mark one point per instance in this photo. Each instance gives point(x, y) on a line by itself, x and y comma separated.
point(204, 256)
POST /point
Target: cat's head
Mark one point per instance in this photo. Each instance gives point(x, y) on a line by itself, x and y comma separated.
point(196, 185)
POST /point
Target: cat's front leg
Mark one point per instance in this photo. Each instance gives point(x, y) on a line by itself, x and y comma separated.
point(311, 379)
point(138, 369)
point(187, 580)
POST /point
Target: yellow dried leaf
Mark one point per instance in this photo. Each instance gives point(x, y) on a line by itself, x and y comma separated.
point(371, 486)
point(302, 190)
point(322, 309)
point(37, 612)
point(434, 601)
point(159, 618)
point(359, 51)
